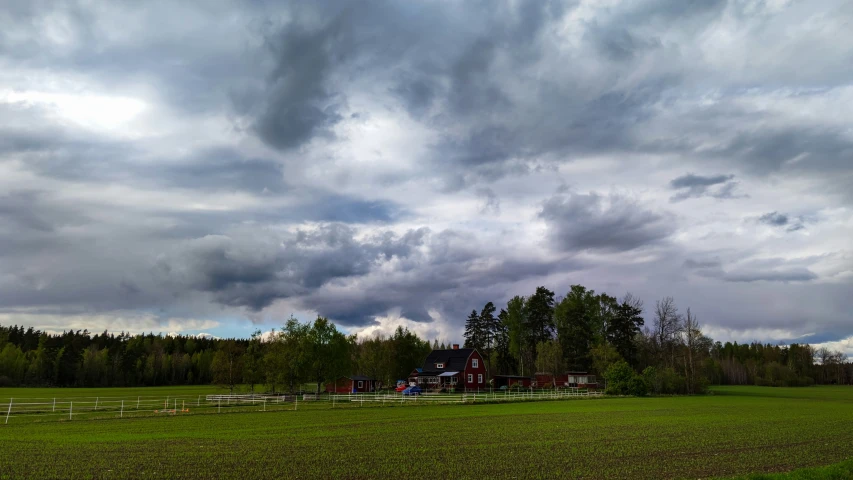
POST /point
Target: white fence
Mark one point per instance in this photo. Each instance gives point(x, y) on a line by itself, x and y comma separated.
point(53, 409)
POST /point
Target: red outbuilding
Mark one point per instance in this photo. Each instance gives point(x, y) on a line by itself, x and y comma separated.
point(353, 384)
point(510, 380)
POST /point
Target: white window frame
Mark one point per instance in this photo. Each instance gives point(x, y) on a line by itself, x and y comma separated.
point(479, 378)
point(360, 384)
point(453, 380)
point(439, 365)
point(475, 363)
point(470, 378)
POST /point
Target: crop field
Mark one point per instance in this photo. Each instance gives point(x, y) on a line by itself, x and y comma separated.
point(737, 431)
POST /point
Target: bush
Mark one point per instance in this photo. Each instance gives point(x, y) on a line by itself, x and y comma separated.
point(622, 380)
point(638, 387)
point(664, 381)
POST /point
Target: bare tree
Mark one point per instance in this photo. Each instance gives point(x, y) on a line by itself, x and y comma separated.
point(631, 300)
point(667, 325)
point(692, 334)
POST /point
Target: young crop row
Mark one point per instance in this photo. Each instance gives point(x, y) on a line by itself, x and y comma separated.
point(673, 437)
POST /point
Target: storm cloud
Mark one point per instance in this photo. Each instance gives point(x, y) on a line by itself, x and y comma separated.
point(385, 163)
point(608, 223)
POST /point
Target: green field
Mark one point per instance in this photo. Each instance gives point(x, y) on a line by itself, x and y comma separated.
point(736, 431)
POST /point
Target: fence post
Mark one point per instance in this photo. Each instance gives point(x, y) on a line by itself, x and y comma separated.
point(198, 401)
point(54, 405)
point(70, 410)
point(121, 415)
point(296, 403)
point(137, 403)
point(220, 405)
point(265, 404)
point(96, 403)
point(10, 410)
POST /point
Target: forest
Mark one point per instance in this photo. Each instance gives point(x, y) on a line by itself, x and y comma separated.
point(636, 349)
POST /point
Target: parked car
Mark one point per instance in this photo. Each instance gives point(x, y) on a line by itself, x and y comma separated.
point(401, 387)
point(412, 391)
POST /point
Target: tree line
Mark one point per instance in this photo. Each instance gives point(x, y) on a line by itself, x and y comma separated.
point(581, 331)
point(669, 353)
point(314, 352)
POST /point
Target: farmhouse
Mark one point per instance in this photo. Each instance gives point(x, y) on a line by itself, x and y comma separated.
point(352, 384)
point(456, 368)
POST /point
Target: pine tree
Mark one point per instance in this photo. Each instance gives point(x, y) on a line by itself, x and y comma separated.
point(624, 327)
point(473, 331)
point(488, 326)
point(539, 314)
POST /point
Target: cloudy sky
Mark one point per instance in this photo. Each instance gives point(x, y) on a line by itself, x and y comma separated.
point(216, 166)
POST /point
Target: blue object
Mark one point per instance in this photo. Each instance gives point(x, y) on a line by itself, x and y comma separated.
point(412, 391)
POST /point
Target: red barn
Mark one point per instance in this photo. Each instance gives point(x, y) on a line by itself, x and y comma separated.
point(353, 384)
point(540, 379)
point(457, 368)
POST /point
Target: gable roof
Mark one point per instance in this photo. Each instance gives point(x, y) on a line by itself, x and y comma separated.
point(359, 377)
point(453, 360)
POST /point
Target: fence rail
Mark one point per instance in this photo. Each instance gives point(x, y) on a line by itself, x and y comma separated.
point(57, 409)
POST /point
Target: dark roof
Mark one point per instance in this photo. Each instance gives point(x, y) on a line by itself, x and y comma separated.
point(359, 377)
point(512, 376)
point(453, 360)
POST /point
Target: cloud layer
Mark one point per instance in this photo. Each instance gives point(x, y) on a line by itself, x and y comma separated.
point(388, 163)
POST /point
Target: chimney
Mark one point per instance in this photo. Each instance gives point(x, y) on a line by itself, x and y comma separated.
point(456, 346)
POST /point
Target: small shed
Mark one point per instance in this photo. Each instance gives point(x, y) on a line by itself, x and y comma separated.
point(352, 384)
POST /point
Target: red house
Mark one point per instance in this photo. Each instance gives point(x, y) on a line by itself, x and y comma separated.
point(457, 368)
point(353, 384)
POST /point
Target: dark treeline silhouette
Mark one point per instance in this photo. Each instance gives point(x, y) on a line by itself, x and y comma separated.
point(76, 358)
point(635, 350)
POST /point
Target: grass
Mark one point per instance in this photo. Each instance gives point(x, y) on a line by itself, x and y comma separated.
point(839, 471)
point(735, 431)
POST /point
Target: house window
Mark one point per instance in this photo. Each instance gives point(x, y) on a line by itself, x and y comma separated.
point(470, 378)
point(475, 363)
point(360, 384)
point(453, 380)
point(439, 365)
point(479, 378)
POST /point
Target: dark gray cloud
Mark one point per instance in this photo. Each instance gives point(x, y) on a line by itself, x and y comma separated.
point(606, 223)
point(765, 270)
point(779, 275)
point(333, 272)
point(696, 186)
point(776, 219)
point(254, 273)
